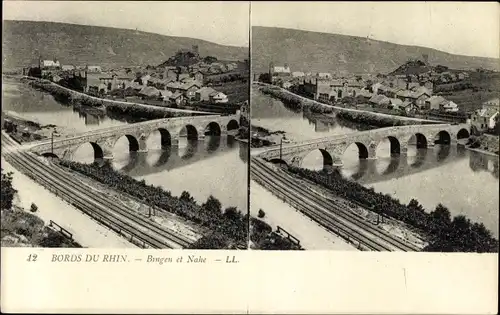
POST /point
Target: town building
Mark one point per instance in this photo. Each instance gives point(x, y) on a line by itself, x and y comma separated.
point(298, 74)
point(203, 94)
point(379, 101)
point(448, 106)
point(434, 102)
point(93, 69)
point(68, 68)
point(331, 90)
point(218, 97)
point(486, 117)
point(176, 98)
point(50, 64)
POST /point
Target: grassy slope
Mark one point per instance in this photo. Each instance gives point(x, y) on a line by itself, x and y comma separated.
point(486, 87)
point(321, 52)
point(81, 44)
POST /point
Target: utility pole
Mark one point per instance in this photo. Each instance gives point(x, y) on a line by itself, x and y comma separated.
point(281, 149)
point(52, 142)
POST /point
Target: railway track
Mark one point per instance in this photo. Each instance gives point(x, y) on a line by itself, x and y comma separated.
point(122, 219)
point(326, 212)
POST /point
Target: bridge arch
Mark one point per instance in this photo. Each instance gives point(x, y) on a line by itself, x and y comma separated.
point(81, 153)
point(278, 161)
point(442, 137)
point(420, 140)
point(159, 138)
point(233, 125)
point(463, 134)
point(394, 145)
point(326, 158)
point(133, 143)
point(213, 129)
point(50, 155)
point(362, 149)
point(165, 138)
point(191, 132)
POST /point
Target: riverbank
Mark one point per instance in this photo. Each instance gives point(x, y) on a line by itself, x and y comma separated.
point(485, 143)
point(23, 130)
point(262, 137)
point(297, 102)
point(71, 96)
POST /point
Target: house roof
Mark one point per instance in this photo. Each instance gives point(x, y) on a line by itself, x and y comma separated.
point(149, 91)
point(174, 85)
point(365, 93)
point(449, 104)
point(379, 99)
point(216, 93)
point(165, 93)
point(405, 104)
point(404, 93)
point(436, 99)
point(176, 95)
point(206, 89)
point(189, 85)
point(396, 101)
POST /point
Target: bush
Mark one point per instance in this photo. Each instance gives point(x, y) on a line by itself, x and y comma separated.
point(8, 190)
point(33, 207)
point(261, 213)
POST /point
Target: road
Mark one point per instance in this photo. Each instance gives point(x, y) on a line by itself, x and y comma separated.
point(326, 212)
point(123, 220)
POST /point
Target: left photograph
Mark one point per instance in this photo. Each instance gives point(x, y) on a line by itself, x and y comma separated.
point(125, 124)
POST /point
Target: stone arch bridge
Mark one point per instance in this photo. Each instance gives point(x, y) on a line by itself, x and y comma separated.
point(333, 147)
point(103, 140)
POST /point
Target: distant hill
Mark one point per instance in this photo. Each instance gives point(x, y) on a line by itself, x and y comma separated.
point(322, 52)
point(76, 44)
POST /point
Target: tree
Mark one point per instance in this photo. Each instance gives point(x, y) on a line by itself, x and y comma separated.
point(8, 190)
point(209, 59)
point(414, 205)
point(265, 77)
point(35, 72)
point(212, 206)
point(186, 196)
point(232, 214)
point(441, 214)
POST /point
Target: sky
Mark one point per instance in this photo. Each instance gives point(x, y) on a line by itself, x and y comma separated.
point(220, 22)
point(465, 28)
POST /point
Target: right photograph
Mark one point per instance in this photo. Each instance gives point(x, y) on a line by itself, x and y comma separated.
point(374, 126)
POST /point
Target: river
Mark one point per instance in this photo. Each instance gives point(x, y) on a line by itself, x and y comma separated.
point(464, 181)
point(213, 166)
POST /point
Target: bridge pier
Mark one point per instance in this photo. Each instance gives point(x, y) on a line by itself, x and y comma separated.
point(143, 147)
point(403, 151)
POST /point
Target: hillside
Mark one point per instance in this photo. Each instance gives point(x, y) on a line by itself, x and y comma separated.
point(109, 47)
point(322, 52)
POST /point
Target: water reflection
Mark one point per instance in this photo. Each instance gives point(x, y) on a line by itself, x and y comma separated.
point(368, 171)
point(299, 125)
point(187, 153)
